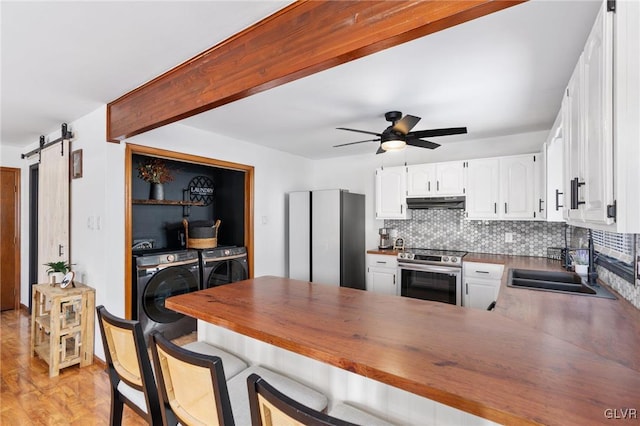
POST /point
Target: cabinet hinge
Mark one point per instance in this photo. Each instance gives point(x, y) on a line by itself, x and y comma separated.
point(611, 5)
point(611, 210)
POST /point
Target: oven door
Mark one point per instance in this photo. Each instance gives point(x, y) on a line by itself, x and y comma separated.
point(431, 282)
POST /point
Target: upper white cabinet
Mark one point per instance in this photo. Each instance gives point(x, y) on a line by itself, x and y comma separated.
point(627, 117)
point(483, 188)
point(588, 129)
point(553, 166)
point(502, 188)
point(518, 187)
point(391, 193)
point(435, 179)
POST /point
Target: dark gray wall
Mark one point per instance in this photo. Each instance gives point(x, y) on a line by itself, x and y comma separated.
point(157, 221)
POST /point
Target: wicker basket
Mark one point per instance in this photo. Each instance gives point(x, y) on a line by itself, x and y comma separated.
point(202, 242)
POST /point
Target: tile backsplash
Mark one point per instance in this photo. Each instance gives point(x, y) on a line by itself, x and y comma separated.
point(448, 229)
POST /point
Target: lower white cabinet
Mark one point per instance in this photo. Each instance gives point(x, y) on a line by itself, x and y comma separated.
point(481, 284)
point(382, 274)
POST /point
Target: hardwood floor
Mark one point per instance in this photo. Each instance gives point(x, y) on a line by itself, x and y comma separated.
point(78, 396)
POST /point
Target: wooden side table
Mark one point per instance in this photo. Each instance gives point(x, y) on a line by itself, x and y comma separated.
point(62, 325)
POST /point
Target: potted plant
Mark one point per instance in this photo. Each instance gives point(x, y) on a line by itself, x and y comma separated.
point(580, 261)
point(156, 172)
point(57, 270)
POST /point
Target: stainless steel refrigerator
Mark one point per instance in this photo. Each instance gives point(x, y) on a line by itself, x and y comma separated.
point(326, 237)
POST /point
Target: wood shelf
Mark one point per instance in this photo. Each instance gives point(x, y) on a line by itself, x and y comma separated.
point(169, 202)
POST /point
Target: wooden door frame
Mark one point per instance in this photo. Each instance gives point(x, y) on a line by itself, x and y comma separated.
point(132, 149)
point(18, 223)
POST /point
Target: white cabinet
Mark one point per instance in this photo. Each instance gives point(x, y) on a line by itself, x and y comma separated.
point(391, 193)
point(540, 170)
point(382, 274)
point(435, 179)
point(502, 188)
point(553, 174)
point(483, 188)
point(517, 187)
point(588, 129)
point(481, 284)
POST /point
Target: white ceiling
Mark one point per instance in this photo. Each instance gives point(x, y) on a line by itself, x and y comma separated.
point(498, 75)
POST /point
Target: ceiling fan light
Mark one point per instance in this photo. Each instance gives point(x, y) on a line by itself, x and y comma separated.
point(393, 145)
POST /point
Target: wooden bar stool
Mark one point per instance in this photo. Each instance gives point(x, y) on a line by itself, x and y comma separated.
point(270, 407)
point(129, 368)
point(291, 388)
point(192, 386)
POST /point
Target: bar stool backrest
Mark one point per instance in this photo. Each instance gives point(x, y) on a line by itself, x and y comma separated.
point(129, 368)
point(192, 385)
point(270, 407)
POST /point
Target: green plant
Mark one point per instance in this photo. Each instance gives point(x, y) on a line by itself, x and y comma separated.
point(60, 266)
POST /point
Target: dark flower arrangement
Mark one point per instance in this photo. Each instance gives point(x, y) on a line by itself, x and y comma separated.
point(154, 170)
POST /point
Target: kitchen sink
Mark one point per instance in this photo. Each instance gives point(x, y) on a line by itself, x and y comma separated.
point(555, 281)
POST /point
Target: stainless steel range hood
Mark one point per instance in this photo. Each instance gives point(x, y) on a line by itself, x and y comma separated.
point(436, 203)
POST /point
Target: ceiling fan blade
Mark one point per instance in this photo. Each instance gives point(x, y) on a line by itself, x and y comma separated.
point(422, 144)
point(353, 143)
point(405, 124)
point(438, 132)
point(359, 131)
point(380, 150)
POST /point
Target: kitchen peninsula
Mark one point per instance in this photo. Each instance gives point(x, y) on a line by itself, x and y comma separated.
point(476, 361)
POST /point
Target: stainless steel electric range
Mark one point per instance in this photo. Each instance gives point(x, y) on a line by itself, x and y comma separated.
point(430, 274)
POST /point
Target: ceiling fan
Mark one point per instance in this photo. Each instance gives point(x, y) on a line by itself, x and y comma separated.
point(399, 134)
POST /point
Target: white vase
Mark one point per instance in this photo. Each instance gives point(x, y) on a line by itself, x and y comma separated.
point(581, 269)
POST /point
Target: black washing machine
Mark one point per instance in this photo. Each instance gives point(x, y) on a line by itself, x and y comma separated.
point(223, 265)
point(159, 276)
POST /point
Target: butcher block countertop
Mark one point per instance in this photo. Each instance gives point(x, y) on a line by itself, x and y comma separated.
point(502, 365)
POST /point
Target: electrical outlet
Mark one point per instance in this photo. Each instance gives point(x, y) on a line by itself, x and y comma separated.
point(508, 237)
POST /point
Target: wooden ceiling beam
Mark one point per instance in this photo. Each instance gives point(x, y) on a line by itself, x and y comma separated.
point(303, 38)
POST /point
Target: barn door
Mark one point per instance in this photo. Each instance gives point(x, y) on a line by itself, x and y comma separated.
point(53, 207)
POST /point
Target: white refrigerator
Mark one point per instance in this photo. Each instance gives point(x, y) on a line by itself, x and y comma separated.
point(326, 237)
